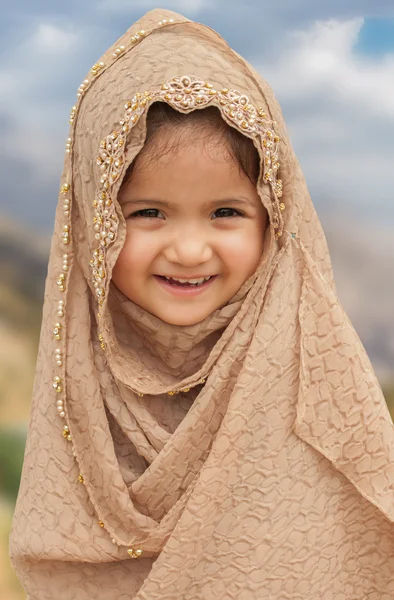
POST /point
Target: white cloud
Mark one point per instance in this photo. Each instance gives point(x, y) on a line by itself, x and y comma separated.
point(340, 113)
point(323, 59)
point(48, 37)
point(37, 118)
point(183, 6)
point(338, 104)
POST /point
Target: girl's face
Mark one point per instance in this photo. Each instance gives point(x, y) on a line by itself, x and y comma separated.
point(190, 214)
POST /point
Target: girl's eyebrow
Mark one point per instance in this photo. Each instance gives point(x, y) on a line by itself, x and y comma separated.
point(243, 201)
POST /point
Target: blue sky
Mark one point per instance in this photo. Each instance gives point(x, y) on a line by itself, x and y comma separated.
point(330, 64)
point(376, 37)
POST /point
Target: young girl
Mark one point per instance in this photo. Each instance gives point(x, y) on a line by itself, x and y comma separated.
point(205, 421)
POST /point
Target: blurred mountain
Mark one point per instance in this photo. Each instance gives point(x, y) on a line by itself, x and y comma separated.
point(363, 261)
point(23, 267)
point(23, 264)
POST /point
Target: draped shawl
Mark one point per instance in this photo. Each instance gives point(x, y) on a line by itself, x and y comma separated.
point(249, 456)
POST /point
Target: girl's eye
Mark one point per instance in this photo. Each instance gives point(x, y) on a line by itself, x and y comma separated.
point(147, 213)
point(228, 212)
point(153, 213)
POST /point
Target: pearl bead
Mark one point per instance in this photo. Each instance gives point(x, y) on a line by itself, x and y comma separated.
point(62, 414)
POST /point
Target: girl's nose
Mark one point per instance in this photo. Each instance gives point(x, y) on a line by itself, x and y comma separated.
point(188, 248)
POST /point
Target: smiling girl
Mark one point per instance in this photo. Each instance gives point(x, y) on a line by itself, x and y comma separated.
point(195, 222)
point(205, 422)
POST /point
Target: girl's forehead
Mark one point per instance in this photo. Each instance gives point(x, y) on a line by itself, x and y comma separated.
point(196, 168)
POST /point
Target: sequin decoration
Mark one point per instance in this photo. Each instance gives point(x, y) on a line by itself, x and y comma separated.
point(134, 553)
point(185, 93)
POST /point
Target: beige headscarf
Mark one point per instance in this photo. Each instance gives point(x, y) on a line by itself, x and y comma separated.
point(248, 457)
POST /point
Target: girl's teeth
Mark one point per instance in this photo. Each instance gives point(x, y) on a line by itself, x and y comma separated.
point(189, 281)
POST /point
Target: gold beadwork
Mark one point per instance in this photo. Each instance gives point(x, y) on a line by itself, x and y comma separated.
point(80, 478)
point(135, 553)
point(72, 114)
point(185, 389)
point(66, 433)
point(57, 331)
point(102, 343)
point(101, 524)
point(97, 67)
point(282, 206)
point(82, 88)
point(118, 51)
point(65, 188)
point(66, 235)
point(61, 282)
point(57, 384)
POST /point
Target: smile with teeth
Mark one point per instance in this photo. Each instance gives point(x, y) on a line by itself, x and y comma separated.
point(190, 282)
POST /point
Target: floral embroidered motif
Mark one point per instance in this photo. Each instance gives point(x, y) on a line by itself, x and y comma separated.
point(184, 93)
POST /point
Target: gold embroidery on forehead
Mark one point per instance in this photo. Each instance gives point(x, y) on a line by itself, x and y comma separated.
point(184, 93)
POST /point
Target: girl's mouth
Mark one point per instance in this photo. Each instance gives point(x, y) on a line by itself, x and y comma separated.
point(182, 288)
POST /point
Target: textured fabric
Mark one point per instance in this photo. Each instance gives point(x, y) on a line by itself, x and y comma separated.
point(273, 477)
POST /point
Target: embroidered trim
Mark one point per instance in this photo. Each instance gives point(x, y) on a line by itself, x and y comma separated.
point(184, 93)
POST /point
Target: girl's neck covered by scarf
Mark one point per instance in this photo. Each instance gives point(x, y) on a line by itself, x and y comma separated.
point(247, 456)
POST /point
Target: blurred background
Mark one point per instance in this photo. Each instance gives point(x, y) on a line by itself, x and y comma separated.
point(331, 66)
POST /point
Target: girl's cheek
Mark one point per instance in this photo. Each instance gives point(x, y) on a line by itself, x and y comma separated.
point(242, 244)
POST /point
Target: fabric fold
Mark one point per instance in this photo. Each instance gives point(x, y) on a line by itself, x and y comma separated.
point(341, 410)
